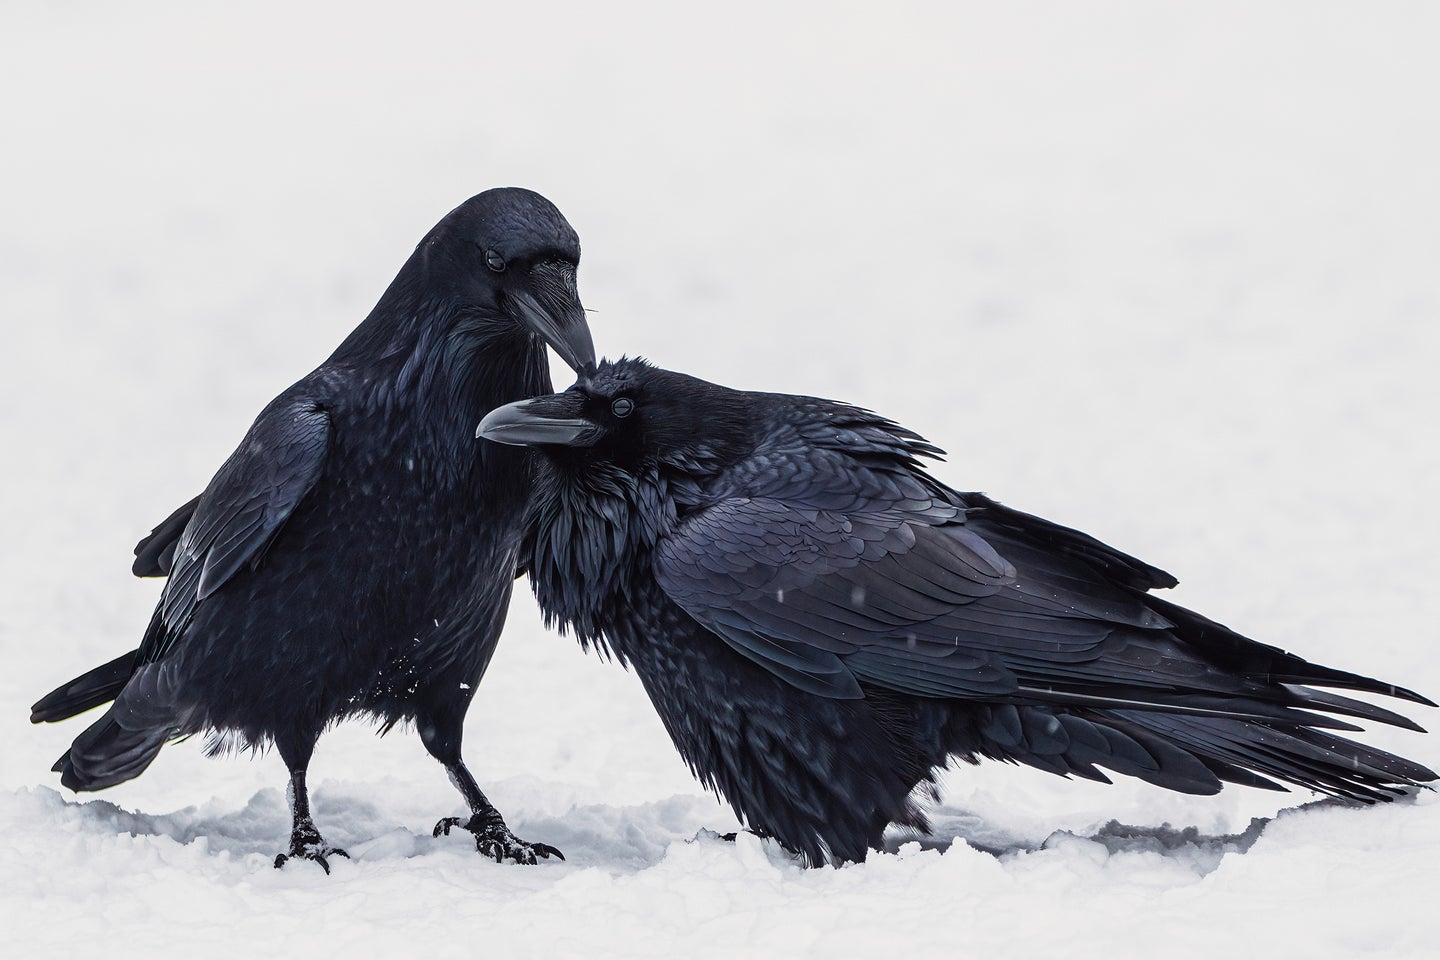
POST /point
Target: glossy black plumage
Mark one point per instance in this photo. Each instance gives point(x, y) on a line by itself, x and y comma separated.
point(820, 623)
point(354, 556)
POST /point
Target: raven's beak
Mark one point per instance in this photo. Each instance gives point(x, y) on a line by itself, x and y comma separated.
point(551, 420)
point(551, 307)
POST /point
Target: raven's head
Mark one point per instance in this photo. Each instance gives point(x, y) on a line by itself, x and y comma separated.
point(625, 451)
point(631, 414)
point(508, 256)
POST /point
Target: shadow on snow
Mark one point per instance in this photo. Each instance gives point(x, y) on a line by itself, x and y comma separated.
point(628, 839)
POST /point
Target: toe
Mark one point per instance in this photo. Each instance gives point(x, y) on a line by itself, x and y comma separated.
point(547, 851)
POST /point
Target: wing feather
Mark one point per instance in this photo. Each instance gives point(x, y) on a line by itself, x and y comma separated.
point(238, 516)
point(867, 574)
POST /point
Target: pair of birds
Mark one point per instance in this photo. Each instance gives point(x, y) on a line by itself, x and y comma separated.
point(820, 623)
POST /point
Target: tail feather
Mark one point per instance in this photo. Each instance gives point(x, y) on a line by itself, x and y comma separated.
point(107, 753)
point(89, 690)
point(1350, 707)
point(1328, 764)
point(1069, 743)
point(1194, 752)
point(121, 744)
point(1231, 773)
point(1282, 709)
point(1249, 658)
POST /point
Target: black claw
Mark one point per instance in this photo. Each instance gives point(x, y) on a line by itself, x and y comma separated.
point(310, 851)
point(494, 840)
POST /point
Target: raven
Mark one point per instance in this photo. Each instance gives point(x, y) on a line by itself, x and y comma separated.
point(821, 624)
point(354, 556)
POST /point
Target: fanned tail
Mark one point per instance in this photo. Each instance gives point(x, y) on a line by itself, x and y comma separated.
point(121, 744)
point(1300, 755)
point(1197, 752)
point(108, 753)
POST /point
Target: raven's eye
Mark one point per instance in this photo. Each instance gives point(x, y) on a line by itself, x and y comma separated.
point(622, 407)
point(494, 261)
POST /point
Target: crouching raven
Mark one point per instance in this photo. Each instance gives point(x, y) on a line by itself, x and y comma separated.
point(821, 624)
point(354, 556)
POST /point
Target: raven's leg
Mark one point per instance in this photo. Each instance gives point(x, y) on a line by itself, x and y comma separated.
point(492, 837)
point(305, 841)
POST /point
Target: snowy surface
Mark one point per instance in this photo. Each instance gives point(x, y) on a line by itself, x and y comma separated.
point(1165, 272)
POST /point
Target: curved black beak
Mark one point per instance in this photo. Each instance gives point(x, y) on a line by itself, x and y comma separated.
point(550, 420)
point(550, 305)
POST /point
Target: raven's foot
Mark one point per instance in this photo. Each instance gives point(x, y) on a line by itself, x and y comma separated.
point(707, 834)
point(733, 834)
point(493, 839)
point(307, 844)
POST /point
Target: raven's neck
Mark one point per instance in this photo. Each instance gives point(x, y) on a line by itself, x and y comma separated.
point(418, 346)
point(418, 375)
point(593, 531)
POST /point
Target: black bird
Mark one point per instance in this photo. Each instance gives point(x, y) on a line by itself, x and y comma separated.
point(821, 623)
point(354, 556)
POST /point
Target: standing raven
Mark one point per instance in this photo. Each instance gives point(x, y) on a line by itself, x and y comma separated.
point(821, 624)
point(354, 556)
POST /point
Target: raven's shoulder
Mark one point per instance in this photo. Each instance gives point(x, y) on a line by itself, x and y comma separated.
point(779, 554)
point(823, 454)
point(832, 425)
point(319, 390)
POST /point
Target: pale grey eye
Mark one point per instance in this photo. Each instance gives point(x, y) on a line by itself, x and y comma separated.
point(622, 407)
point(494, 261)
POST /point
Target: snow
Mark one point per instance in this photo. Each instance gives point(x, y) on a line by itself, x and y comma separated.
point(1162, 272)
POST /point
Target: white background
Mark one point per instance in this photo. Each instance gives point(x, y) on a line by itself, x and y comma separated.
point(1164, 272)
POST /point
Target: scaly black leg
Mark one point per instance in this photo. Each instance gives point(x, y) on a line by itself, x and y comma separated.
point(305, 841)
point(492, 837)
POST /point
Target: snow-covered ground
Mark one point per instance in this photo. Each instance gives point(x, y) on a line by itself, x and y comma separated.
point(1165, 272)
